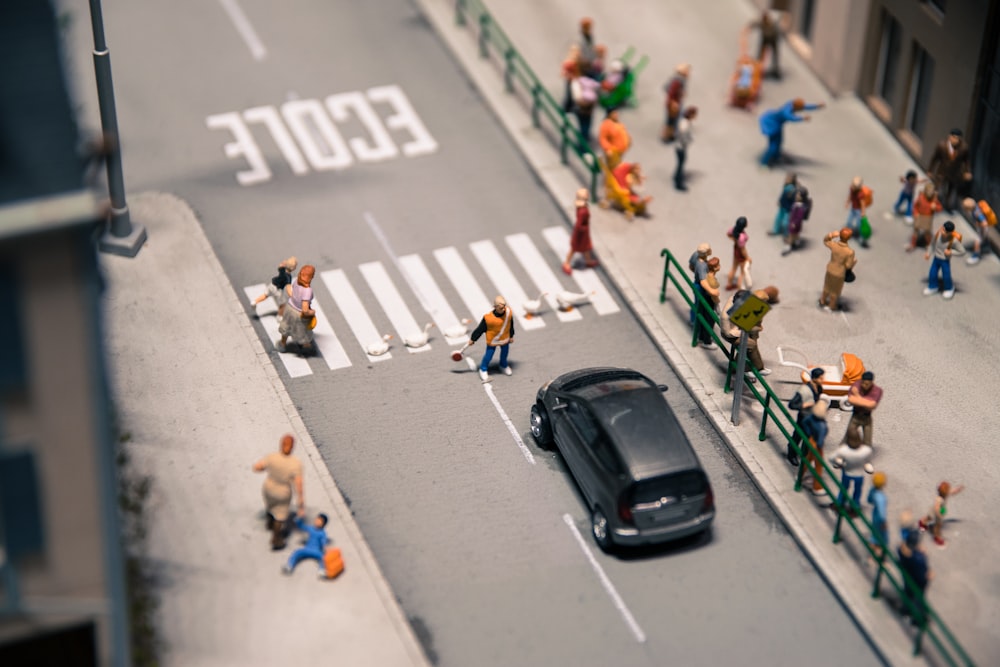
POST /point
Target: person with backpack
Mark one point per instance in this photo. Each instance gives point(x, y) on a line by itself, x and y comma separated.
point(785, 201)
point(983, 218)
point(859, 199)
point(796, 216)
point(803, 401)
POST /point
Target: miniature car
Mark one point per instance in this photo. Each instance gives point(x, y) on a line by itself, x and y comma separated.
point(837, 380)
point(629, 455)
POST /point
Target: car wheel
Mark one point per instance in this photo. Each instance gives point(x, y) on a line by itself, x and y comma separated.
point(601, 530)
point(540, 429)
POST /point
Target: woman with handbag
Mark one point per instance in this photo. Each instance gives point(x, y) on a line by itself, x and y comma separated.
point(842, 262)
point(741, 258)
point(299, 318)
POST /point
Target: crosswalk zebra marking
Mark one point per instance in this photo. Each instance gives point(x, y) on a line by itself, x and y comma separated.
point(538, 269)
point(433, 300)
point(392, 303)
point(295, 365)
point(461, 278)
point(354, 312)
point(501, 275)
point(586, 279)
point(327, 342)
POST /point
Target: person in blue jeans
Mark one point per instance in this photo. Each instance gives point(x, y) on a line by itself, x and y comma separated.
point(314, 547)
point(946, 242)
point(498, 325)
point(852, 457)
point(772, 123)
point(910, 182)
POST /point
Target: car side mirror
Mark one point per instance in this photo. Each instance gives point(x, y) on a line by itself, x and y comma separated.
point(661, 387)
point(559, 406)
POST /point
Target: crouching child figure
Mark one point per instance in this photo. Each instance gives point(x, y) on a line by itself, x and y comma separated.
point(315, 547)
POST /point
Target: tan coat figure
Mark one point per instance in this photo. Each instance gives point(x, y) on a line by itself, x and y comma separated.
point(284, 472)
point(842, 259)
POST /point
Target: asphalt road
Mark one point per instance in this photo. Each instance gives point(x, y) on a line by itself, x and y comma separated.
point(480, 533)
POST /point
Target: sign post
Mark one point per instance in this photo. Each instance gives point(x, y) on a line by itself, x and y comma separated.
point(746, 313)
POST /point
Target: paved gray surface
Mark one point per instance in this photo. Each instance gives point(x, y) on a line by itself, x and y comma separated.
point(927, 353)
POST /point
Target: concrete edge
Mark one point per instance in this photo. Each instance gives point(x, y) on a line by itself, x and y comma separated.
point(315, 460)
point(557, 179)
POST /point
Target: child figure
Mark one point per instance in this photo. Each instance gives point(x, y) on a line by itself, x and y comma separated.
point(799, 214)
point(979, 213)
point(910, 182)
point(785, 202)
point(315, 546)
point(276, 289)
point(924, 208)
point(741, 258)
point(935, 519)
point(859, 198)
point(880, 516)
point(580, 241)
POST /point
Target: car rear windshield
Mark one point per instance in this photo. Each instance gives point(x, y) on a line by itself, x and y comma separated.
point(678, 486)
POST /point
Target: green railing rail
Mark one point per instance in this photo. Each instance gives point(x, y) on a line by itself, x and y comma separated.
point(516, 70)
point(929, 623)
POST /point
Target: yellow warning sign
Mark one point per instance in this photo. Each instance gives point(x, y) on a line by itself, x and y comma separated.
point(748, 314)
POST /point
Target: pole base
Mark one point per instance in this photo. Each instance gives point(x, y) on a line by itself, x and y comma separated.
point(126, 246)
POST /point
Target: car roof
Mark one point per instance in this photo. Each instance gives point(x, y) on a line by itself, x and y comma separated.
point(638, 420)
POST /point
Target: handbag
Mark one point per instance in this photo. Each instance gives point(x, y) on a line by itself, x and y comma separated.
point(849, 276)
point(865, 228)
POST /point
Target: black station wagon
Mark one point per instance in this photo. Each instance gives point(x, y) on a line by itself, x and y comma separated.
point(630, 457)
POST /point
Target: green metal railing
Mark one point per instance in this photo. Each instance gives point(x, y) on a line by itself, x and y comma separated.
point(517, 71)
point(928, 622)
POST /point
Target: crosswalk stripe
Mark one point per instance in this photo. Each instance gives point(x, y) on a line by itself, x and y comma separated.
point(431, 298)
point(327, 342)
point(498, 271)
point(294, 364)
point(461, 278)
point(392, 303)
point(353, 311)
point(544, 278)
point(586, 279)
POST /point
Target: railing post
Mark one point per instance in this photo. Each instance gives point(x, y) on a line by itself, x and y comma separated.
point(536, 103)
point(565, 140)
point(836, 526)
point(508, 71)
point(460, 12)
point(484, 35)
point(763, 422)
point(880, 560)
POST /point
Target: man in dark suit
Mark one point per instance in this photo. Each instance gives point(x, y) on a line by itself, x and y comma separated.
point(951, 169)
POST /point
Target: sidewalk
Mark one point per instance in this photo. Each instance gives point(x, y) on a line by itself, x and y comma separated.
point(935, 419)
point(202, 402)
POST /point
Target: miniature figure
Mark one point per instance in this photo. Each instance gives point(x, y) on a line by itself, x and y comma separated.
point(707, 305)
point(744, 86)
point(854, 461)
point(741, 258)
point(498, 325)
point(283, 471)
point(732, 333)
point(913, 561)
point(785, 201)
point(924, 208)
point(910, 182)
point(803, 401)
point(864, 396)
point(684, 139)
point(880, 514)
point(589, 60)
point(950, 169)
point(675, 89)
point(816, 428)
point(770, 32)
point(798, 215)
point(624, 190)
point(935, 518)
point(842, 260)
point(570, 69)
point(614, 139)
point(698, 265)
point(584, 91)
point(276, 289)
point(859, 199)
point(314, 548)
point(772, 124)
point(946, 242)
point(983, 218)
point(299, 315)
point(580, 242)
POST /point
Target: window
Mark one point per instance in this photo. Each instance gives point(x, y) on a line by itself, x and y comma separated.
point(921, 79)
point(888, 59)
point(806, 20)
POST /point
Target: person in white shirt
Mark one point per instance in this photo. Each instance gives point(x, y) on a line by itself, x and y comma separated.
point(683, 139)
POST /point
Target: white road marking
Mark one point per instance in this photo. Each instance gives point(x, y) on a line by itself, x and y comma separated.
point(586, 279)
point(270, 117)
point(327, 342)
point(460, 276)
point(392, 303)
point(293, 363)
point(488, 387)
point(543, 276)
point(501, 275)
point(609, 588)
point(432, 299)
point(355, 313)
point(245, 29)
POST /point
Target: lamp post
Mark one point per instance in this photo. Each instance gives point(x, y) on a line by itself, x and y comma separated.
point(122, 237)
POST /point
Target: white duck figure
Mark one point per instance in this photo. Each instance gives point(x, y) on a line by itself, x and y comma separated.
point(379, 347)
point(459, 330)
point(533, 306)
point(420, 339)
point(567, 300)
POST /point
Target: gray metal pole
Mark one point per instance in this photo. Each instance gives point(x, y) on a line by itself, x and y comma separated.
point(741, 366)
point(123, 237)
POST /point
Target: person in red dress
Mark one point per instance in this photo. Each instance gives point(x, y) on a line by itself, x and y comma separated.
point(580, 241)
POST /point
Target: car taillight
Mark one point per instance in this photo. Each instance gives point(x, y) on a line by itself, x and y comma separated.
point(709, 503)
point(624, 508)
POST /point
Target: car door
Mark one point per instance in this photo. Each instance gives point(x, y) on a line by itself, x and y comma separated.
point(584, 431)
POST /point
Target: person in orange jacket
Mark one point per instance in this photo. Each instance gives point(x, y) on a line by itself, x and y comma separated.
point(614, 139)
